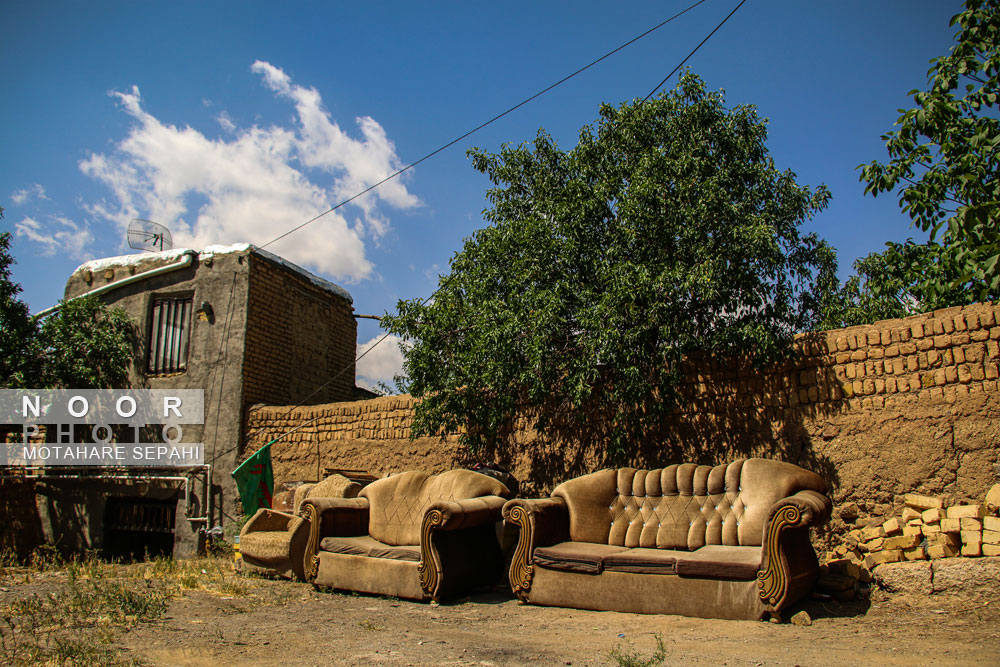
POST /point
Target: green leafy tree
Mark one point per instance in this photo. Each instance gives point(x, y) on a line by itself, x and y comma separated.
point(17, 329)
point(943, 162)
point(667, 229)
point(86, 345)
point(83, 345)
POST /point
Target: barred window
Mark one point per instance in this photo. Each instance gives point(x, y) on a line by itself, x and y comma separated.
point(168, 341)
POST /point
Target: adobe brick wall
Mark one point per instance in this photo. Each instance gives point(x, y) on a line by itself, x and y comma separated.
point(298, 337)
point(900, 406)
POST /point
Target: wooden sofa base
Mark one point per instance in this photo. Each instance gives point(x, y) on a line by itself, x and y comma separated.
point(647, 594)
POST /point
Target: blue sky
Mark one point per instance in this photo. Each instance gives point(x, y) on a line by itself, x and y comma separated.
point(233, 122)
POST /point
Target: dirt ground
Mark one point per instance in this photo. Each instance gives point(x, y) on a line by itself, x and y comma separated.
point(300, 626)
point(255, 621)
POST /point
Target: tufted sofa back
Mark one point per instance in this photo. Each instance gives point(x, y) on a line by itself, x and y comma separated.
point(397, 504)
point(682, 506)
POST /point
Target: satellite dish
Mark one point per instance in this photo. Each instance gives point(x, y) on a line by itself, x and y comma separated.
point(149, 236)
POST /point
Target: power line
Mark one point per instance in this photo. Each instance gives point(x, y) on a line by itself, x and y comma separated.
point(426, 299)
point(482, 125)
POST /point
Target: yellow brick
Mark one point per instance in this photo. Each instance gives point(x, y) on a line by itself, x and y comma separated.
point(991, 537)
point(942, 551)
point(969, 523)
point(870, 533)
point(912, 530)
point(888, 556)
point(932, 515)
point(970, 536)
point(892, 527)
point(916, 553)
point(950, 539)
point(930, 530)
point(910, 514)
point(991, 523)
point(901, 542)
point(991, 550)
point(972, 549)
point(951, 525)
point(872, 545)
point(922, 502)
point(966, 511)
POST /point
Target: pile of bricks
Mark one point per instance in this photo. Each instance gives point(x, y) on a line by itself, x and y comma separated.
point(925, 530)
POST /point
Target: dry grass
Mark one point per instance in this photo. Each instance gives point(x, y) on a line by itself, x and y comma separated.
point(71, 612)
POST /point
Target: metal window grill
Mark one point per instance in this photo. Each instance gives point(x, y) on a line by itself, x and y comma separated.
point(168, 345)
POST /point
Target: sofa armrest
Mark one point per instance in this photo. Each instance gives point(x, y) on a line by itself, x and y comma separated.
point(268, 520)
point(541, 522)
point(458, 514)
point(451, 516)
point(789, 567)
point(331, 517)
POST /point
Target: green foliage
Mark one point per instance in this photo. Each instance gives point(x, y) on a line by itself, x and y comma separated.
point(904, 279)
point(86, 345)
point(624, 657)
point(17, 328)
point(943, 158)
point(667, 229)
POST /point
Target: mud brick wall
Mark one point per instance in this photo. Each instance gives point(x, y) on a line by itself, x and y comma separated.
point(298, 337)
point(882, 410)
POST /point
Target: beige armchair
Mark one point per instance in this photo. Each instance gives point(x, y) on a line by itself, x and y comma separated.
point(274, 542)
point(412, 535)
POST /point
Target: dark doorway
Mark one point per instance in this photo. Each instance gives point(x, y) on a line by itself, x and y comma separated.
point(135, 527)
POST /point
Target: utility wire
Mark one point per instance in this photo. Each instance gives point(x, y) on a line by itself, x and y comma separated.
point(482, 125)
point(426, 299)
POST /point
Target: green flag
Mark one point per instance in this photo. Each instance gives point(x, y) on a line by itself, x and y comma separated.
point(255, 480)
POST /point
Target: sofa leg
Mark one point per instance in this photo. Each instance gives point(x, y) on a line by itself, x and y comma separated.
point(776, 617)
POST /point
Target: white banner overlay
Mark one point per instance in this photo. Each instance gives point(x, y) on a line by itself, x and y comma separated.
point(101, 427)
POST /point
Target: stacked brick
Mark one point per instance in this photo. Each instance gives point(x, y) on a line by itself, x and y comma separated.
point(387, 418)
point(300, 339)
point(946, 354)
point(925, 530)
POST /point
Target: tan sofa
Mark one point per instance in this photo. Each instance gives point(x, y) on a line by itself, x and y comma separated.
point(730, 541)
point(411, 535)
point(273, 542)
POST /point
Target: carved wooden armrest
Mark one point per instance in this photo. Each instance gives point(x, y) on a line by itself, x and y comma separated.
point(541, 522)
point(330, 517)
point(450, 515)
point(789, 567)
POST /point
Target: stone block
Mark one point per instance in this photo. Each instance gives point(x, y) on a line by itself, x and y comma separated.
point(968, 523)
point(905, 578)
point(951, 525)
point(930, 530)
point(991, 550)
point(993, 499)
point(991, 537)
point(872, 545)
point(932, 515)
point(916, 553)
point(951, 539)
point(912, 530)
point(942, 551)
point(882, 557)
point(966, 511)
point(871, 532)
point(972, 549)
point(922, 503)
point(910, 514)
point(901, 542)
point(892, 527)
point(991, 523)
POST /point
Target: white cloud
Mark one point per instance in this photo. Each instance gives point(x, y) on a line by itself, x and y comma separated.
point(256, 183)
point(35, 191)
point(61, 235)
point(382, 363)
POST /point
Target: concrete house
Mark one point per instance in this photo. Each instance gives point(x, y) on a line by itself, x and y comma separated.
point(238, 322)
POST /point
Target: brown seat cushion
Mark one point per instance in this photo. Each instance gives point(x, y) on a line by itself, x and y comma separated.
point(644, 561)
point(585, 557)
point(365, 546)
point(720, 562)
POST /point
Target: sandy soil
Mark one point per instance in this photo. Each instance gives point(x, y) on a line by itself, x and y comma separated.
point(286, 623)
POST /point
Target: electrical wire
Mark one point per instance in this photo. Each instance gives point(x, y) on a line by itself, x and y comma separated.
point(482, 125)
point(426, 299)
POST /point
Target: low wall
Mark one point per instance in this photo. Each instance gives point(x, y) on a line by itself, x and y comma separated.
point(900, 406)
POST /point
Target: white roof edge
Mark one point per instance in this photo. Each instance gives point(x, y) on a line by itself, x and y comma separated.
point(96, 265)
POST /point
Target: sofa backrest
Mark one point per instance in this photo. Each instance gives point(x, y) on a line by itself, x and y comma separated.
point(682, 506)
point(397, 504)
point(334, 486)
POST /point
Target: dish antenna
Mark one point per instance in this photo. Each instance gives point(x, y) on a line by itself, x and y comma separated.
point(149, 236)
